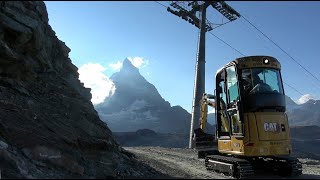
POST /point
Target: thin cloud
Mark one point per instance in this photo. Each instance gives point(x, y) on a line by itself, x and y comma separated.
point(92, 76)
point(138, 61)
point(116, 66)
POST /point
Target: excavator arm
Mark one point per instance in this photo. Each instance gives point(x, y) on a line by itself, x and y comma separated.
point(202, 139)
point(205, 102)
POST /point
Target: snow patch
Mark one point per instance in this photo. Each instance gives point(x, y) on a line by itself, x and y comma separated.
point(149, 116)
point(137, 105)
point(305, 98)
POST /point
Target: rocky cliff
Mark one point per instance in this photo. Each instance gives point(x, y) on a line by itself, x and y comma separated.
point(48, 126)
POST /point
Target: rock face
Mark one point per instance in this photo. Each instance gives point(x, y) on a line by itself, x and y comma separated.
point(136, 104)
point(48, 126)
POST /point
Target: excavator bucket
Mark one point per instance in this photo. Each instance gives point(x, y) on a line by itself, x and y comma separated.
point(204, 140)
point(205, 144)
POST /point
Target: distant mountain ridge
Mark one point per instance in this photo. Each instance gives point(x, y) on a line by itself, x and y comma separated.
point(306, 114)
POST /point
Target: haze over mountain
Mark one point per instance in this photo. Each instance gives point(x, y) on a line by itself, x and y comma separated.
point(137, 104)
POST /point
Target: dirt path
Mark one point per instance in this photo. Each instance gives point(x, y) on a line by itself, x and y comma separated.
point(177, 163)
point(183, 163)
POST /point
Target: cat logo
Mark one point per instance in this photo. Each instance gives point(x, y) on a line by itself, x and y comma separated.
point(271, 127)
point(236, 144)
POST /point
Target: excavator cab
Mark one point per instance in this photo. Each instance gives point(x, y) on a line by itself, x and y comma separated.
point(251, 124)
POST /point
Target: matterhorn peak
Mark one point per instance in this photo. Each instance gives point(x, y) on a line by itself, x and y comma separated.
point(127, 71)
point(126, 64)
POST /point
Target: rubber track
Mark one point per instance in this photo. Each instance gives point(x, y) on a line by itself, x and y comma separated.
point(242, 168)
point(294, 167)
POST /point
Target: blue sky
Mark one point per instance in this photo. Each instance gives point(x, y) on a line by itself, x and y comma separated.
point(102, 34)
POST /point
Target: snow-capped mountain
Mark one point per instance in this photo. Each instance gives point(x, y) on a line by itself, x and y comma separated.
point(137, 104)
point(304, 114)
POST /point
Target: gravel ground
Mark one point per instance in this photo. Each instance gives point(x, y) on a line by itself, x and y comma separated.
point(184, 164)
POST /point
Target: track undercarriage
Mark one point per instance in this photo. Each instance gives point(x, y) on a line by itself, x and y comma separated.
point(243, 167)
point(240, 168)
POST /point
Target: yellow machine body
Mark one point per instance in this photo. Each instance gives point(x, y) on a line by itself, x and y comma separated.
point(258, 133)
point(252, 128)
point(263, 136)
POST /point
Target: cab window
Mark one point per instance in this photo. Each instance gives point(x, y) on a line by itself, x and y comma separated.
point(232, 86)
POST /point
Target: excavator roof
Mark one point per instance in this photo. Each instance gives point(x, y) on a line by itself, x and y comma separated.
point(254, 62)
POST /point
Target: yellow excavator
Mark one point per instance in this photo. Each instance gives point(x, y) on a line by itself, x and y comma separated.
point(252, 131)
